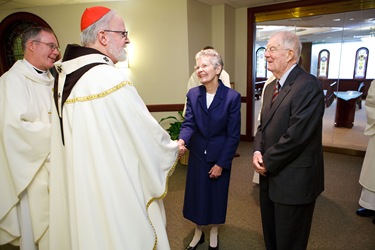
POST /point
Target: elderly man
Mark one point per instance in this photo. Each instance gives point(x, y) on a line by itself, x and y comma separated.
point(25, 127)
point(288, 151)
point(110, 159)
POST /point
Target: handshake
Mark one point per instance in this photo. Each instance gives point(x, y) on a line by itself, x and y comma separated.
point(181, 148)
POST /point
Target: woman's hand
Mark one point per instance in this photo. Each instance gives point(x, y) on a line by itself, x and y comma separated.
point(215, 172)
point(181, 148)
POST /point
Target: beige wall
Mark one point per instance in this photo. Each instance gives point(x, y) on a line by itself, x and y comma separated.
point(159, 42)
point(199, 29)
point(165, 35)
point(223, 35)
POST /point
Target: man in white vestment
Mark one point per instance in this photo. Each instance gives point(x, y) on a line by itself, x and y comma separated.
point(25, 127)
point(367, 177)
point(110, 159)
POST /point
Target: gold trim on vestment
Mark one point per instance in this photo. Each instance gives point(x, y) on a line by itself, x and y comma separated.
point(159, 198)
point(100, 95)
point(104, 94)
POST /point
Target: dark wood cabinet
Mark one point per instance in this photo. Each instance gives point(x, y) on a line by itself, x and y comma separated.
point(345, 108)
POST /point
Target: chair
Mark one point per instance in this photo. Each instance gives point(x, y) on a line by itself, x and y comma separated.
point(328, 93)
point(259, 89)
point(359, 99)
point(258, 93)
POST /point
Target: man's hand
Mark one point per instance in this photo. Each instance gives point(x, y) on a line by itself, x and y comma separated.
point(258, 164)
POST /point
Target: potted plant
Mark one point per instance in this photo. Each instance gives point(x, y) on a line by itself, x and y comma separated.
point(174, 131)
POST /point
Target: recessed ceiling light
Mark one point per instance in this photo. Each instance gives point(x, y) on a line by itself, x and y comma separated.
point(336, 20)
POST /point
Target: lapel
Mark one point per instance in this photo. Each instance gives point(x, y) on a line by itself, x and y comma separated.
point(202, 98)
point(267, 97)
point(219, 96)
point(283, 93)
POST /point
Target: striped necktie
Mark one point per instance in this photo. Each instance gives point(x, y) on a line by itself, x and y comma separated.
point(275, 91)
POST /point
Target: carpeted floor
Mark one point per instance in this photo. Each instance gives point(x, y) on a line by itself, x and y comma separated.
point(335, 224)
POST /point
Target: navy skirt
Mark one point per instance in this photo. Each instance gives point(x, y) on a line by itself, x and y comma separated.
point(205, 199)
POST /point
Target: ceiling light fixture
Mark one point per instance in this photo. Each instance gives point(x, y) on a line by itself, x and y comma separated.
point(370, 37)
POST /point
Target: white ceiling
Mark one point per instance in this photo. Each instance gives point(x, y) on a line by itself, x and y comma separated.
point(20, 4)
point(348, 26)
point(244, 3)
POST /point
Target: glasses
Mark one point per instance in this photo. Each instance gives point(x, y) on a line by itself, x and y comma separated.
point(123, 33)
point(273, 49)
point(202, 67)
point(52, 46)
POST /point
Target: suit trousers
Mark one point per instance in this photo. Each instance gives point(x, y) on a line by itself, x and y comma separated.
point(285, 227)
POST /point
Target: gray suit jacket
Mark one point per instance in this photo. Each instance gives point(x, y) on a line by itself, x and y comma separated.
point(290, 138)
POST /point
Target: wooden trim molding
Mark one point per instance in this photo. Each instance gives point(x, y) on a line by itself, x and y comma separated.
point(165, 107)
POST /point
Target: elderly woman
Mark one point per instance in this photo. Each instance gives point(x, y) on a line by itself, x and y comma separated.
point(211, 131)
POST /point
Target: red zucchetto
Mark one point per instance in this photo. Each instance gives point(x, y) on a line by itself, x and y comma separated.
point(91, 15)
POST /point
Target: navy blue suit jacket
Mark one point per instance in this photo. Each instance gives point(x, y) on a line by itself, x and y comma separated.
point(215, 130)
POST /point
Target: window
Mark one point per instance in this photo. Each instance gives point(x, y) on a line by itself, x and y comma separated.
point(360, 68)
point(261, 63)
point(323, 63)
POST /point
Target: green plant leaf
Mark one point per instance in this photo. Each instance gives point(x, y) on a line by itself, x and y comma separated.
point(174, 128)
point(169, 117)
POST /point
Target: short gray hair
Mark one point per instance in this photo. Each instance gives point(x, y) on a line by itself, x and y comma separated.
point(89, 35)
point(33, 33)
point(215, 58)
point(291, 41)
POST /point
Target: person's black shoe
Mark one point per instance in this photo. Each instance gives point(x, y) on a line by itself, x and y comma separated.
point(201, 240)
point(363, 212)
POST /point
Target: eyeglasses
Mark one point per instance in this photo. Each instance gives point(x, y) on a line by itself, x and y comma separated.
point(202, 67)
point(273, 49)
point(123, 33)
point(52, 46)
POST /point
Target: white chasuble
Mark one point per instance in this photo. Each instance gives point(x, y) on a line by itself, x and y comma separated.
point(108, 180)
point(25, 127)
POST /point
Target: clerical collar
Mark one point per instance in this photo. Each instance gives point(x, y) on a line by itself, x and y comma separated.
point(39, 71)
point(32, 66)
